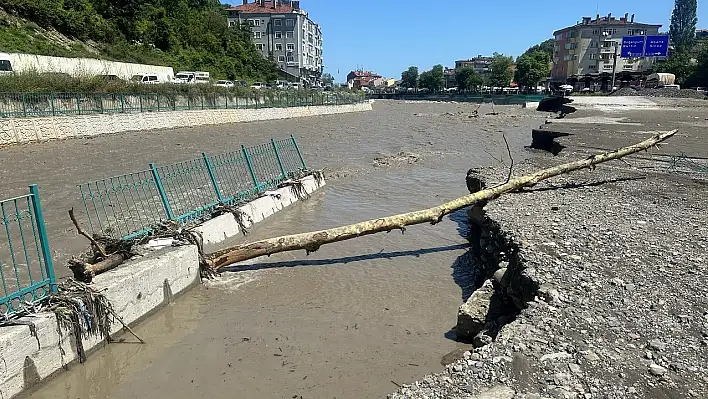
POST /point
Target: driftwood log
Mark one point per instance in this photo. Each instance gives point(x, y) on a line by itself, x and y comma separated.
point(313, 240)
point(85, 272)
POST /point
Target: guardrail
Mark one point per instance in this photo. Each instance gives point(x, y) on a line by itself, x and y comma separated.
point(127, 206)
point(25, 105)
point(26, 270)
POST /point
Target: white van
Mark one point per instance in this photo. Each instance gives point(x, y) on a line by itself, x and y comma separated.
point(146, 78)
point(201, 77)
point(184, 77)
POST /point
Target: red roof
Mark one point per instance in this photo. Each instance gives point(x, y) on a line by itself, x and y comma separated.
point(267, 9)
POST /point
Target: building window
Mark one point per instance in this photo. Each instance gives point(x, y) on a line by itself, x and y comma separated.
point(291, 58)
point(254, 22)
point(289, 35)
point(592, 66)
point(289, 22)
point(628, 66)
point(259, 46)
point(278, 22)
point(607, 66)
point(291, 47)
point(609, 31)
point(278, 47)
point(596, 32)
point(278, 35)
point(608, 44)
point(257, 35)
point(281, 58)
point(232, 23)
point(593, 56)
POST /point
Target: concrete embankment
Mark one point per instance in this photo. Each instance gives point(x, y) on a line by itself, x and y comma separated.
point(37, 348)
point(28, 130)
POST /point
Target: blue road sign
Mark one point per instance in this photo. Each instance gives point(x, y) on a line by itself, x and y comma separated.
point(657, 46)
point(632, 46)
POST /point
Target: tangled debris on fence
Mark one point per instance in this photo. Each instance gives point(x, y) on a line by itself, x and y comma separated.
point(82, 311)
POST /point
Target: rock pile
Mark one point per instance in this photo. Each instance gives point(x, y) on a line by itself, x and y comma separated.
point(622, 306)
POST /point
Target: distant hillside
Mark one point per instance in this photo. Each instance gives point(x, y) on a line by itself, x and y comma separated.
point(184, 34)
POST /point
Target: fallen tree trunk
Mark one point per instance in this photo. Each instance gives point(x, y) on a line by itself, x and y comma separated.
point(85, 272)
point(313, 240)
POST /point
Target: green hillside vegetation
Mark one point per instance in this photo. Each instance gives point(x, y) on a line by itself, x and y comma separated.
point(184, 34)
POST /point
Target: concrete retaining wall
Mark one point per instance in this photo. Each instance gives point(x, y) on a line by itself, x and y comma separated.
point(135, 289)
point(27, 130)
point(84, 66)
point(221, 228)
point(31, 353)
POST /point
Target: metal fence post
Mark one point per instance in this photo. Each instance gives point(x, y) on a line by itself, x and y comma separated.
point(24, 106)
point(122, 103)
point(299, 154)
point(44, 243)
point(280, 161)
point(250, 165)
point(78, 103)
point(212, 176)
point(158, 102)
point(51, 100)
point(161, 191)
point(140, 97)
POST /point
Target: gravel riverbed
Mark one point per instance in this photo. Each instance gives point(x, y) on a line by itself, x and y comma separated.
point(620, 253)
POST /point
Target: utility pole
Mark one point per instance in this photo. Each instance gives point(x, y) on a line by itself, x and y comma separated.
point(614, 67)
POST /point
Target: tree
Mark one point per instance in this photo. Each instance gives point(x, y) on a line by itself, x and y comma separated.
point(500, 70)
point(683, 24)
point(547, 47)
point(327, 79)
point(434, 79)
point(680, 65)
point(409, 78)
point(467, 79)
point(531, 68)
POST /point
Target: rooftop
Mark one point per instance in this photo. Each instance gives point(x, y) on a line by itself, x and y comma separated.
point(607, 20)
point(265, 7)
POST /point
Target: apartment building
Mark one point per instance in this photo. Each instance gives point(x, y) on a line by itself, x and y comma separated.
point(283, 30)
point(479, 63)
point(587, 54)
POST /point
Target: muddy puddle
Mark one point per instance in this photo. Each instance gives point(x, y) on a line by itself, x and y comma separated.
point(351, 320)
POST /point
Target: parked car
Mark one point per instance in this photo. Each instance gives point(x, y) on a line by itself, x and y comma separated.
point(224, 83)
point(146, 78)
point(258, 85)
point(241, 83)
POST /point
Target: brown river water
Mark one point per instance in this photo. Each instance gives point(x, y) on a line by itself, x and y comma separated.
point(351, 320)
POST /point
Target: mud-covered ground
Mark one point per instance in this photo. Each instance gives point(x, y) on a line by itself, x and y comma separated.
point(623, 250)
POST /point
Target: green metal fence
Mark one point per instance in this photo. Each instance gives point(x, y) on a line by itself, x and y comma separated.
point(24, 105)
point(129, 205)
point(26, 271)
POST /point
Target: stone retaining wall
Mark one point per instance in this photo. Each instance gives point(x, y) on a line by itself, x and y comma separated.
point(28, 130)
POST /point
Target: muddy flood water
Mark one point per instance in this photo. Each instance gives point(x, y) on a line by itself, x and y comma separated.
point(349, 321)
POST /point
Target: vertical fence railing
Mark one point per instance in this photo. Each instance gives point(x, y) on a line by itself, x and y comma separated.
point(24, 105)
point(130, 205)
point(26, 271)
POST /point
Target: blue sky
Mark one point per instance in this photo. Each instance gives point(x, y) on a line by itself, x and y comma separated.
point(387, 36)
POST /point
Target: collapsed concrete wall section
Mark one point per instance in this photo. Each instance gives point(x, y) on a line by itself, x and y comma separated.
point(28, 130)
point(37, 347)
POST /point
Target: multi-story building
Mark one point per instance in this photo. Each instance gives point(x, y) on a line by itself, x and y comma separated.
point(588, 54)
point(285, 32)
point(479, 63)
point(701, 34)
